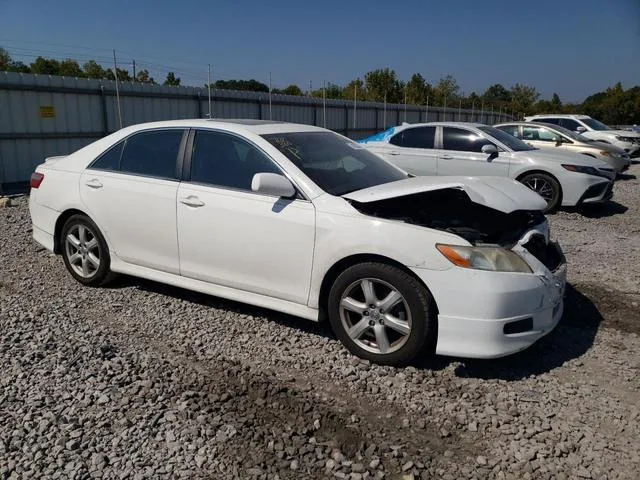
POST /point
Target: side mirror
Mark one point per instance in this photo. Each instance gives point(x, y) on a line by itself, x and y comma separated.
point(490, 149)
point(581, 129)
point(272, 184)
point(558, 140)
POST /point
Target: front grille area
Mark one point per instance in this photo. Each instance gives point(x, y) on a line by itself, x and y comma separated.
point(547, 253)
point(595, 191)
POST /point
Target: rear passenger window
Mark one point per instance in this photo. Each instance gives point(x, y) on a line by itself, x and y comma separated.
point(418, 137)
point(462, 140)
point(570, 124)
point(110, 160)
point(152, 154)
point(511, 130)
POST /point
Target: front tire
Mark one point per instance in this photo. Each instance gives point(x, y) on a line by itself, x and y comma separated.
point(382, 314)
point(84, 251)
point(546, 186)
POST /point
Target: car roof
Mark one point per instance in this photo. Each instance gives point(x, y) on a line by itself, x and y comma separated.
point(527, 124)
point(558, 115)
point(443, 124)
point(259, 127)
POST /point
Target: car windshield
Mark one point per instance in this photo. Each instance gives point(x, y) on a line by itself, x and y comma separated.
point(595, 124)
point(510, 141)
point(568, 133)
point(334, 163)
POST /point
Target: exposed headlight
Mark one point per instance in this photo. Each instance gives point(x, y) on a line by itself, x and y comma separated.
point(496, 259)
point(604, 153)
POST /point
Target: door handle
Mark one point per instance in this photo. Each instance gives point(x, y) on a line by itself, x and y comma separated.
point(191, 201)
point(446, 157)
point(393, 153)
point(94, 183)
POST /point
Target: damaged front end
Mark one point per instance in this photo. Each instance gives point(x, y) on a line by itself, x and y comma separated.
point(452, 210)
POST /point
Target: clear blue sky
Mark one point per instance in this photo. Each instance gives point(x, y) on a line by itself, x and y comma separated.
point(574, 48)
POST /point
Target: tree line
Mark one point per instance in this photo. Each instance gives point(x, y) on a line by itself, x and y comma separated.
point(615, 105)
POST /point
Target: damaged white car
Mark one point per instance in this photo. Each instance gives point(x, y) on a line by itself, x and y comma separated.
point(304, 221)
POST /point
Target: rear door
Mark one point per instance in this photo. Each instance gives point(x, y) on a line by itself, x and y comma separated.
point(461, 154)
point(130, 192)
point(413, 150)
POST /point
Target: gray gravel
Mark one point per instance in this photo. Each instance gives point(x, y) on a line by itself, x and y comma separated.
point(142, 380)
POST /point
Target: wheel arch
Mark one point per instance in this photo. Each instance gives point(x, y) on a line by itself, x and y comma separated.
point(341, 265)
point(544, 172)
point(60, 221)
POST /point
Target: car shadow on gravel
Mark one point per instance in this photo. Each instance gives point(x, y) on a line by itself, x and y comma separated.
point(573, 336)
point(599, 210)
point(625, 176)
point(317, 328)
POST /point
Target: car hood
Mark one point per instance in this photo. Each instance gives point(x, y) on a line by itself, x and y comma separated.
point(499, 193)
point(618, 133)
point(607, 147)
point(559, 156)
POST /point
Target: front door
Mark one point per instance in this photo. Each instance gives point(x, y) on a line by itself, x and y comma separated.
point(234, 237)
point(462, 154)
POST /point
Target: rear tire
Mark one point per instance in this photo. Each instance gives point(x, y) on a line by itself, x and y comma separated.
point(84, 251)
point(546, 186)
point(382, 314)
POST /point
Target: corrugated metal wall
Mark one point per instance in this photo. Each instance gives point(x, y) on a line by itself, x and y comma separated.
point(42, 116)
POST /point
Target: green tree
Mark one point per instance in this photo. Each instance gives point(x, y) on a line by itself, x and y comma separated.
point(292, 90)
point(70, 68)
point(331, 91)
point(45, 66)
point(417, 90)
point(522, 98)
point(556, 103)
point(94, 70)
point(5, 60)
point(172, 80)
point(379, 82)
point(497, 94)
point(143, 77)
point(123, 75)
point(243, 85)
point(353, 87)
point(447, 88)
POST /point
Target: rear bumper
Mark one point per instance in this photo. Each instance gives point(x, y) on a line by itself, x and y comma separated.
point(43, 220)
point(475, 306)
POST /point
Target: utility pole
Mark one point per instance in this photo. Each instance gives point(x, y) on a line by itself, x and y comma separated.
point(426, 111)
point(459, 109)
point(355, 101)
point(133, 64)
point(444, 110)
point(270, 111)
point(384, 112)
point(310, 88)
point(405, 104)
point(115, 74)
point(324, 103)
point(209, 88)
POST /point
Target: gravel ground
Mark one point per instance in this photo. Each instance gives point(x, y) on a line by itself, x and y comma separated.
point(141, 380)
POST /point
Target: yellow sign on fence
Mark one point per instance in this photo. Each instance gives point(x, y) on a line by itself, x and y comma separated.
point(47, 111)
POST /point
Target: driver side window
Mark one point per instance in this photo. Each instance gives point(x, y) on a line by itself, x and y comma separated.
point(224, 160)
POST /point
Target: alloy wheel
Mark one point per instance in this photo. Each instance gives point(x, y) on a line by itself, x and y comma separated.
point(82, 250)
point(541, 186)
point(375, 315)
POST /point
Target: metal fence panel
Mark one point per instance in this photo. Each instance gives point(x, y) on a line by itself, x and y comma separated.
point(42, 116)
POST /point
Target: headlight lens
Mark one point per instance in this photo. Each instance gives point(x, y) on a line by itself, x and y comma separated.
point(496, 259)
point(581, 169)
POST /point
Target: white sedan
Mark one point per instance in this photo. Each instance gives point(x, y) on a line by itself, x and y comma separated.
point(454, 148)
point(301, 220)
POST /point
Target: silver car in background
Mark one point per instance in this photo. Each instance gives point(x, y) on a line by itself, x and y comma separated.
point(473, 149)
point(553, 137)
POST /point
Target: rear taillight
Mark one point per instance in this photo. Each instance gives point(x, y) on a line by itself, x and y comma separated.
point(36, 179)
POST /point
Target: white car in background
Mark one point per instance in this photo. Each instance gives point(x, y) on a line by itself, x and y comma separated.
point(455, 148)
point(591, 128)
point(553, 137)
point(304, 221)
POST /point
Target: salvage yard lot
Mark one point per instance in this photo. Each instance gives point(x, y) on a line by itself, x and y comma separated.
point(142, 380)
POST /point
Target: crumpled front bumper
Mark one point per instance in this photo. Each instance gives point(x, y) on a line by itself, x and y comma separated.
point(477, 309)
